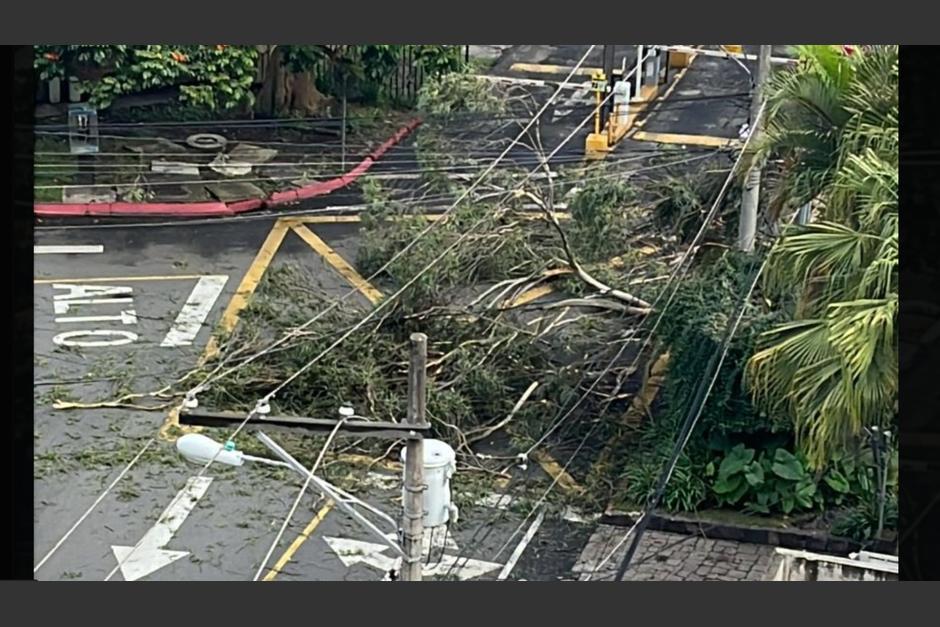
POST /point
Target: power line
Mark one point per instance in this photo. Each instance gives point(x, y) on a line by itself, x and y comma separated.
point(674, 277)
point(695, 411)
point(285, 122)
point(300, 495)
point(262, 404)
point(331, 210)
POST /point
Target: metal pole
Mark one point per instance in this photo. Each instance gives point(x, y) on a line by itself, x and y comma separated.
point(747, 225)
point(344, 122)
point(638, 75)
point(413, 502)
point(610, 53)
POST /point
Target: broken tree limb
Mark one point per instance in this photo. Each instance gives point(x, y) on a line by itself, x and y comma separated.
point(599, 303)
point(605, 290)
point(488, 431)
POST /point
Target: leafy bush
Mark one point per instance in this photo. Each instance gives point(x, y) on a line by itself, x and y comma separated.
point(764, 482)
point(685, 492)
point(860, 522)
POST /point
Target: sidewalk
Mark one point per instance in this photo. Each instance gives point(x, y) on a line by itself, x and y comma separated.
point(157, 170)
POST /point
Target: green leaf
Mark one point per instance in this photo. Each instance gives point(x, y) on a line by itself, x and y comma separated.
point(787, 466)
point(837, 481)
point(728, 484)
point(736, 496)
point(735, 461)
point(754, 474)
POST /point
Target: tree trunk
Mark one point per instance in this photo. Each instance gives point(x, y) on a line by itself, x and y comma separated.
point(305, 98)
point(282, 92)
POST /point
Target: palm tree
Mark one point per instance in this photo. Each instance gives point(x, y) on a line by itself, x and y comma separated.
point(833, 123)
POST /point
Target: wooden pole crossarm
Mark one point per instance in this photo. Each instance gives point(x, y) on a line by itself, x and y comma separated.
point(379, 429)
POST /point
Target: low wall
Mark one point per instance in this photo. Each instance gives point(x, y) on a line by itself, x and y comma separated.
point(790, 565)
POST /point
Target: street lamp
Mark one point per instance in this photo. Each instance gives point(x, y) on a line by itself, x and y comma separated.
point(200, 449)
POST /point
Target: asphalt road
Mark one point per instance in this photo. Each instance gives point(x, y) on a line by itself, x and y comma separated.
point(86, 509)
point(136, 316)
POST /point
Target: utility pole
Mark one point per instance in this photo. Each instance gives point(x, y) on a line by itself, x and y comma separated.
point(413, 501)
point(747, 225)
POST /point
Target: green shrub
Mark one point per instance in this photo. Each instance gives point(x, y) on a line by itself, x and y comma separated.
point(765, 482)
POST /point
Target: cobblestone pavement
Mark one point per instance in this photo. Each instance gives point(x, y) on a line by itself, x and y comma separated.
point(664, 556)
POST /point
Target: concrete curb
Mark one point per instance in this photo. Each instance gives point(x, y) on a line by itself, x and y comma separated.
point(786, 538)
point(219, 208)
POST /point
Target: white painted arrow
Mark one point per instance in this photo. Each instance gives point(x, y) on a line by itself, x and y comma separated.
point(149, 554)
point(352, 552)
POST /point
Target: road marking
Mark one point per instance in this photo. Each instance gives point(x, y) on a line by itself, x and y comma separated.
point(65, 339)
point(352, 552)
point(78, 291)
point(127, 316)
point(239, 301)
point(67, 250)
point(298, 541)
point(77, 294)
point(548, 68)
point(339, 264)
point(687, 140)
point(92, 507)
point(195, 310)
point(253, 276)
point(121, 279)
point(554, 470)
point(149, 555)
point(520, 548)
point(63, 306)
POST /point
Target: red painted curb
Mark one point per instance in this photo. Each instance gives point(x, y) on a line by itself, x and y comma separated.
point(218, 208)
point(195, 209)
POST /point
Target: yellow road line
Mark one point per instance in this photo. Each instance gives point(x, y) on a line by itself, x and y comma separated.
point(122, 279)
point(253, 276)
point(298, 542)
point(339, 264)
point(554, 470)
point(688, 140)
point(547, 68)
point(239, 301)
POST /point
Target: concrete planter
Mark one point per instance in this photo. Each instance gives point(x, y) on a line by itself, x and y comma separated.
point(55, 90)
point(75, 90)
